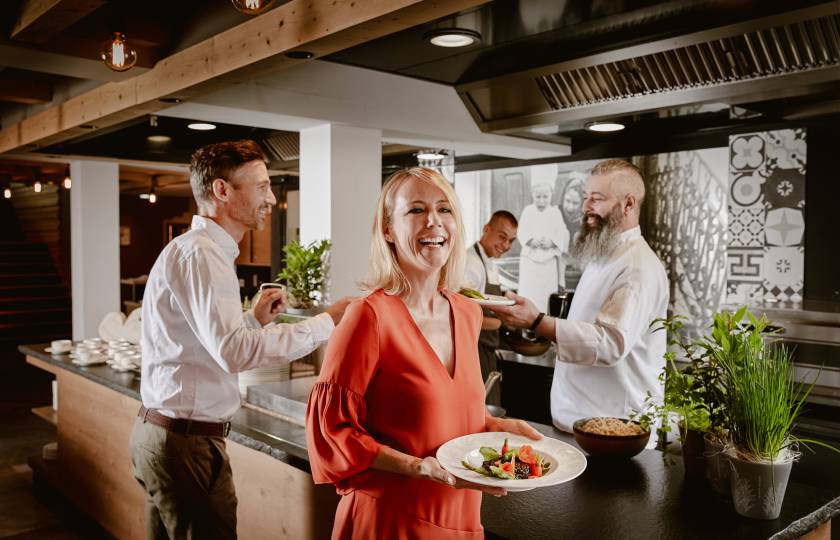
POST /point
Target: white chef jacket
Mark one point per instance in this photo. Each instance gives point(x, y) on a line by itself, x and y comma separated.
point(607, 356)
point(195, 337)
point(480, 270)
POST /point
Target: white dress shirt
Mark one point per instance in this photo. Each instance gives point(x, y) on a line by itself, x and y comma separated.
point(607, 356)
point(480, 269)
point(195, 337)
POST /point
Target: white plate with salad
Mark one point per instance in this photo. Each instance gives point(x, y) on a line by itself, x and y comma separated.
point(487, 300)
point(509, 461)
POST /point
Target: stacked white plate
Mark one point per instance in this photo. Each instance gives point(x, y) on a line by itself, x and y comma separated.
point(90, 352)
point(123, 355)
point(263, 375)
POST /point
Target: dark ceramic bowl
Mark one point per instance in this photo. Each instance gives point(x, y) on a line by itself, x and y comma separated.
point(535, 346)
point(617, 446)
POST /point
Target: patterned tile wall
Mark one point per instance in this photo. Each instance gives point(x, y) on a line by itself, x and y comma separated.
point(766, 250)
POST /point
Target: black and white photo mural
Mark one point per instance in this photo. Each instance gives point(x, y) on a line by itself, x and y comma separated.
point(546, 200)
point(766, 253)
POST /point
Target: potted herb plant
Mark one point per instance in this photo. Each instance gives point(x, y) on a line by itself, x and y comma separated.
point(696, 395)
point(305, 275)
point(688, 395)
point(763, 405)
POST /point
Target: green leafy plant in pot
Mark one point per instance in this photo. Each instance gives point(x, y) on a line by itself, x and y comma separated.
point(688, 395)
point(763, 405)
point(305, 274)
point(695, 396)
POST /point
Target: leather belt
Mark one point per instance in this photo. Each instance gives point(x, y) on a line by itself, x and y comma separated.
point(184, 426)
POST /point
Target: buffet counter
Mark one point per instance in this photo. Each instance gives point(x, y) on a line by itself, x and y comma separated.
point(644, 497)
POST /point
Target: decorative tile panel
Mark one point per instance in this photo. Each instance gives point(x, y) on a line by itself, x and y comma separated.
point(765, 248)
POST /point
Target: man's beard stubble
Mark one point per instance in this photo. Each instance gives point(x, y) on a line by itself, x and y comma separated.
point(594, 242)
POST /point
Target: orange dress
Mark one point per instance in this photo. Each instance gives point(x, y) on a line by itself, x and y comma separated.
point(383, 384)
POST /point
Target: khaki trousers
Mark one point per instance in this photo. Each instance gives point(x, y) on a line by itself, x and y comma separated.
point(188, 483)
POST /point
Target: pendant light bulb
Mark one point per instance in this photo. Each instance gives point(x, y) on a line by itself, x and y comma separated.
point(7, 193)
point(37, 186)
point(252, 7)
point(117, 54)
point(152, 194)
point(67, 182)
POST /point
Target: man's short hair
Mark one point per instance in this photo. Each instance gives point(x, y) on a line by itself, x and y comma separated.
point(503, 214)
point(630, 177)
point(219, 160)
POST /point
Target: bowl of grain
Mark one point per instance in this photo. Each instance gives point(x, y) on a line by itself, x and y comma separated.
point(610, 437)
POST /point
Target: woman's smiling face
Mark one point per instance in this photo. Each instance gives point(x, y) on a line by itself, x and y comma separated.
point(421, 226)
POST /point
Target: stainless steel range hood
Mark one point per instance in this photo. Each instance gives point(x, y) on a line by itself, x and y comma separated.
point(784, 55)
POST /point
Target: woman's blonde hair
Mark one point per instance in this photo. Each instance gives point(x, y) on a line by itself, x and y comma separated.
point(383, 269)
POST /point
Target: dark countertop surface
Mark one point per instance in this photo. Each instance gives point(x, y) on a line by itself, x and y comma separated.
point(643, 497)
point(280, 439)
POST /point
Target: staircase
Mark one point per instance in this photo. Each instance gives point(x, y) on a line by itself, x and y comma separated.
point(35, 306)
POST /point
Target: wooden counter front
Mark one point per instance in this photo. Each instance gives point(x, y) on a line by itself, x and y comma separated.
point(276, 500)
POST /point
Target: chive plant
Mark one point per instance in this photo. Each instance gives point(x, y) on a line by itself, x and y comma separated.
point(764, 403)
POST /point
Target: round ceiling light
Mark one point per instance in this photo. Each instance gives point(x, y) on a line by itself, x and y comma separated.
point(159, 139)
point(604, 127)
point(430, 156)
point(201, 126)
point(452, 37)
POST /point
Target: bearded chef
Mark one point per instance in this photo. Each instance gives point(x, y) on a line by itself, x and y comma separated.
point(608, 358)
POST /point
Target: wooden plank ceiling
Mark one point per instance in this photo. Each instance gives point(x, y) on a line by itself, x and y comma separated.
point(250, 49)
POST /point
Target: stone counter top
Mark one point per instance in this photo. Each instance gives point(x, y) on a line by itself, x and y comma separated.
point(273, 436)
point(643, 497)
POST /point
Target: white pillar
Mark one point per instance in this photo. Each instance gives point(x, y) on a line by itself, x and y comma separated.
point(94, 244)
point(340, 181)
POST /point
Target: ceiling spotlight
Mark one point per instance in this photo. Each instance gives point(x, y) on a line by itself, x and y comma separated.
point(201, 126)
point(604, 127)
point(159, 139)
point(252, 7)
point(117, 54)
point(430, 155)
point(452, 37)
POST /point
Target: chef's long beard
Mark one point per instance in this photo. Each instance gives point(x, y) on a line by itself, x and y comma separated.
point(597, 241)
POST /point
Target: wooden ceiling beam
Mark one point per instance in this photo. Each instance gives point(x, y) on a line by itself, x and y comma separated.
point(41, 20)
point(25, 91)
point(254, 47)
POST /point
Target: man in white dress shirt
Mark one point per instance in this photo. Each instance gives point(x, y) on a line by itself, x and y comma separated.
point(482, 275)
point(607, 356)
point(196, 339)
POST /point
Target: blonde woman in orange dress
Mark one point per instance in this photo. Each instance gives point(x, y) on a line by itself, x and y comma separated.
point(401, 377)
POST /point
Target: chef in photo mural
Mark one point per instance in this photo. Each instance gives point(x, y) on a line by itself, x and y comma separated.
point(544, 238)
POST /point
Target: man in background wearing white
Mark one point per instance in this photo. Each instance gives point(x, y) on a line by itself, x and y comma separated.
point(482, 275)
point(196, 339)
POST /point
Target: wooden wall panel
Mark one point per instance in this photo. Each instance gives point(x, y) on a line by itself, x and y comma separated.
point(276, 500)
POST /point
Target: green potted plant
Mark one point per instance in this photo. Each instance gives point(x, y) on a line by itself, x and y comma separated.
point(763, 403)
point(696, 396)
point(688, 395)
point(305, 274)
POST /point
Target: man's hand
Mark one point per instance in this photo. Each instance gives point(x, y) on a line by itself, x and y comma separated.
point(519, 315)
point(336, 310)
point(270, 303)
